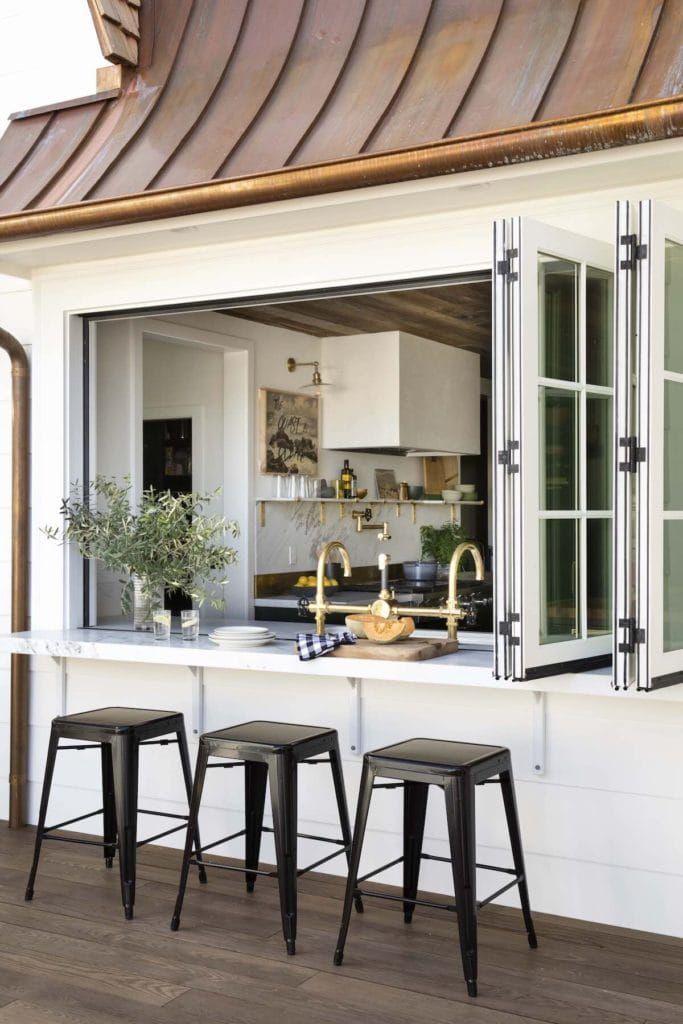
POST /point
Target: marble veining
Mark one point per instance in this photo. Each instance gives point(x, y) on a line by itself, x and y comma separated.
point(466, 668)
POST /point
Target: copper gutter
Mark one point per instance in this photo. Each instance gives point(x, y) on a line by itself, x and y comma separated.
point(20, 529)
point(638, 123)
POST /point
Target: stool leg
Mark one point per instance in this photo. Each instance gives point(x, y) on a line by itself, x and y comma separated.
point(109, 805)
point(47, 784)
point(507, 787)
point(255, 785)
point(364, 795)
point(459, 795)
point(414, 811)
point(283, 795)
point(124, 750)
point(343, 809)
point(195, 802)
point(187, 775)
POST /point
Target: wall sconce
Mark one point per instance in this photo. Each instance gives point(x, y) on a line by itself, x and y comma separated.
point(316, 382)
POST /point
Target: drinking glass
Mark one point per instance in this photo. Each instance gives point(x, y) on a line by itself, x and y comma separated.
point(161, 621)
point(281, 486)
point(189, 623)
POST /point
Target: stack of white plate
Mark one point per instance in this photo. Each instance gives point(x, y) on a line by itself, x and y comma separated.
point(235, 637)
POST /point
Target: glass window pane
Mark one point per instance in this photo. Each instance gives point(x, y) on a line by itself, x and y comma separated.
point(557, 449)
point(673, 446)
point(673, 307)
point(598, 327)
point(599, 576)
point(673, 585)
point(558, 284)
point(599, 443)
point(559, 610)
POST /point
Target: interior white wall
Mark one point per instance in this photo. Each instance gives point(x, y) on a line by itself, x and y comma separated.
point(603, 828)
point(116, 361)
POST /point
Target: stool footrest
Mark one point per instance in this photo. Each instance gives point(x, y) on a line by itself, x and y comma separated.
point(160, 835)
point(404, 899)
point(71, 821)
point(164, 814)
point(499, 892)
point(377, 871)
point(227, 764)
point(483, 867)
point(68, 839)
point(305, 835)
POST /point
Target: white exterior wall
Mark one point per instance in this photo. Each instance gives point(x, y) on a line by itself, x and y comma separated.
point(603, 827)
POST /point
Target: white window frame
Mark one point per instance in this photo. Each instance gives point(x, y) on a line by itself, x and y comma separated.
point(640, 657)
point(518, 242)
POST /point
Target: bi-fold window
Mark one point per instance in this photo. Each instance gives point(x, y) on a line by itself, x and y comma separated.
point(588, 394)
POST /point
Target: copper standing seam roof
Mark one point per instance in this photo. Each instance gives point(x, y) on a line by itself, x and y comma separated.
point(254, 100)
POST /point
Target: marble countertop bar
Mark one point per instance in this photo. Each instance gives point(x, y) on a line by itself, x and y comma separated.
point(466, 668)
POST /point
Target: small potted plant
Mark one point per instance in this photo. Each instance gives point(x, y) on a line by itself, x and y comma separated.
point(165, 543)
point(438, 544)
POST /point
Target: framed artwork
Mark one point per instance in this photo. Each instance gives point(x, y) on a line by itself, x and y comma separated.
point(289, 425)
point(385, 483)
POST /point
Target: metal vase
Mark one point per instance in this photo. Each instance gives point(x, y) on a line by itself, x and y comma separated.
point(145, 601)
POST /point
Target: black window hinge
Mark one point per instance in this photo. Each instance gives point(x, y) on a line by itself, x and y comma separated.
point(634, 635)
point(505, 628)
point(504, 267)
point(636, 251)
point(506, 457)
point(634, 454)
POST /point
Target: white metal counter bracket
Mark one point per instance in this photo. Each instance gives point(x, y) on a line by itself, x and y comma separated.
point(197, 723)
point(538, 727)
point(355, 716)
point(61, 684)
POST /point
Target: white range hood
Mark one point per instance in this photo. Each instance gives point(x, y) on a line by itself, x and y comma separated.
point(395, 393)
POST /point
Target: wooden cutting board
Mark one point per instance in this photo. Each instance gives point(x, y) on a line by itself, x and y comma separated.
point(440, 473)
point(402, 650)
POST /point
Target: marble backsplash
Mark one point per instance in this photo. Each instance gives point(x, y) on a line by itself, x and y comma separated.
point(297, 528)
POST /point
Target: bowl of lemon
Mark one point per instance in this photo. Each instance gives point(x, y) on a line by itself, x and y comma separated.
point(306, 586)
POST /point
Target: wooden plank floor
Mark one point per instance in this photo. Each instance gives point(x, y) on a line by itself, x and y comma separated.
point(70, 958)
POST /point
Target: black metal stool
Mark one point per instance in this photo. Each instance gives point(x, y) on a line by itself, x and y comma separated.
point(457, 768)
point(275, 750)
point(119, 733)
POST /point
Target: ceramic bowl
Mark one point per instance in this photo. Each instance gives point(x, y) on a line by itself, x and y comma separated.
point(416, 492)
point(451, 495)
point(467, 488)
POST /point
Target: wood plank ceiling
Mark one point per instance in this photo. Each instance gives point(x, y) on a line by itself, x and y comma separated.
point(454, 314)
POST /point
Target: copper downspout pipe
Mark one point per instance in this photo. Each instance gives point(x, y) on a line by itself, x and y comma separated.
point(20, 531)
point(540, 140)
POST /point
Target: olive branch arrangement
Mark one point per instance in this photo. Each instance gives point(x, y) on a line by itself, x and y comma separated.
point(166, 541)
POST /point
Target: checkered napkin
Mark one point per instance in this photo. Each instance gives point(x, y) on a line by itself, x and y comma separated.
point(314, 645)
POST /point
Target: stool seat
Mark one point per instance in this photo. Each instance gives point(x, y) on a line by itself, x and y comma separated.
point(446, 755)
point(117, 719)
point(270, 734)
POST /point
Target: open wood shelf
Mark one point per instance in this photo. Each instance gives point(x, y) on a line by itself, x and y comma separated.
point(343, 502)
